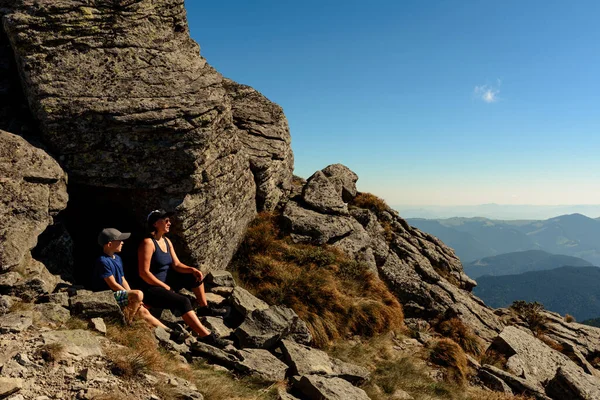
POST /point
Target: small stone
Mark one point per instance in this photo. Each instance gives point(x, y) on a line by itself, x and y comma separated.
point(224, 291)
point(70, 370)
point(42, 398)
point(173, 382)
point(220, 278)
point(9, 386)
point(151, 379)
point(93, 393)
point(22, 359)
point(214, 300)
point(15, 322)
point(99, 325)
point(87, 374)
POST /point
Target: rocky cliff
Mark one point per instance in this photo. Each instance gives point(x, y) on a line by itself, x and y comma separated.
point(123, 100)
point(115, 95)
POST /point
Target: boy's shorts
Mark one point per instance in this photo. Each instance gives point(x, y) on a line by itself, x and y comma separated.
point(121, 297)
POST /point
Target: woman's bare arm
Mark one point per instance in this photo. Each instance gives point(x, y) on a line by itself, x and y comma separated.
point(144, 257)
point(181, 267)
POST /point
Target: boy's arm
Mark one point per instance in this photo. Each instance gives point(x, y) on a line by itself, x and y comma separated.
point(112, 283)
point(125, 283)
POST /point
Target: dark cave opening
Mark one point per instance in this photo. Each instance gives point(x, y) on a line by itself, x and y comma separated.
point(92, 209)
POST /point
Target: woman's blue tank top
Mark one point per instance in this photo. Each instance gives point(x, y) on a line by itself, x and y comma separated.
point(161, 261)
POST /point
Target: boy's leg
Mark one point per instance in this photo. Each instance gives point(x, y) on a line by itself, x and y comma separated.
point(131, 301)
point(151, 319)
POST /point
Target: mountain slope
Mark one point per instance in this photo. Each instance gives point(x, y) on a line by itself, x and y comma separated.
point(572, 290)
point(573, 235)
point(520, 262)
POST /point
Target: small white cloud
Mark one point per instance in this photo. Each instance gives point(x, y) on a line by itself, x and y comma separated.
point(488, 93)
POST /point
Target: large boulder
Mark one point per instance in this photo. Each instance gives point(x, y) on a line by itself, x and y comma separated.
point(321, 387)
point(264, 328)
point(573, 384)
point(265, 135)
point(304, 360)
point(33, 189)
point(99, 304)
point(140, 120)
point(321, 194)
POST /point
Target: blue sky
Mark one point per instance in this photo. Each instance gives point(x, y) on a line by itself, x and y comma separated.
point(438, 102)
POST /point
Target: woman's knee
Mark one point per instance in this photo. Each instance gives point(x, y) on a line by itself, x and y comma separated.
point(185, 305)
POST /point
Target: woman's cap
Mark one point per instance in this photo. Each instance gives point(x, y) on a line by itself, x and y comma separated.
point(110, 234)
point(156, 215)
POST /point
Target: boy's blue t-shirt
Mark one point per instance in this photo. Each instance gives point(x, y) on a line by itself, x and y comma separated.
point(106, 266)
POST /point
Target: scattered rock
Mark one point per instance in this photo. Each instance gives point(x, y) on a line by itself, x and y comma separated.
point(493, 382)
point(319, 387)
point(264, 328)
point(245, 302)
point(214, 300)
point(98, 325)
point(15, 321)
point(220, 278)
point(96, 304)
point(262, 364)
point(9, 386)
point(53, 313)
point(77, 343)
point(60, 298)
point(304, 360)
point(224, 291)
point(216, 326)
point(573, 384)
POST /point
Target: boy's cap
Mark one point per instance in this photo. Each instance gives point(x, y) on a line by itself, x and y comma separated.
point(110, 234)
point(156, 215)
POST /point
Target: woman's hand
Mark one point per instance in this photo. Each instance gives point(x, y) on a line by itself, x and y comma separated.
point(197, 274)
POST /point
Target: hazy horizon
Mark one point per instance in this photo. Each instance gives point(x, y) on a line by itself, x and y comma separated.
point(497, 211)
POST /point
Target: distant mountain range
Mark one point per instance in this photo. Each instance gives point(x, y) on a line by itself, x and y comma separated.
point(497, 211)
point(520, 262)
point(572, 290)
point(475, 238)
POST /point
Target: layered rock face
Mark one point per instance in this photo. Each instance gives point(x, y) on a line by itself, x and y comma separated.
point(125, 101)
point(33, 188)
point(423, 273)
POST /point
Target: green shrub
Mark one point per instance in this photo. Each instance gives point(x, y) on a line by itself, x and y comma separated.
point(531, 313)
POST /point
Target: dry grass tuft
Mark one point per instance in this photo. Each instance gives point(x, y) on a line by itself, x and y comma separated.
point(448, 354)
point(370, 202)
point(551, 343)
point(456, 330)
point(129, 363)
point(494, 358)
point(76, 323)
point(569, 318)
point(52, 352)
point(336, 296)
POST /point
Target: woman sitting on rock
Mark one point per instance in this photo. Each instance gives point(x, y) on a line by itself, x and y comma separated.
point(163, 274)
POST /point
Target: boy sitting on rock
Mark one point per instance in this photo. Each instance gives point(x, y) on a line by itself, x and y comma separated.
point(108, 275)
